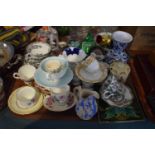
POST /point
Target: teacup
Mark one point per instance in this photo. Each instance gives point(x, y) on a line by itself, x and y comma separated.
point(121, 40)
point(112, 90)
point(91, 64)
point(60, 95)
point(25, 73)
point(54, 67)
point(26, 97)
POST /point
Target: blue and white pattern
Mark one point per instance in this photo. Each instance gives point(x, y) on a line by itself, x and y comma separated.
point(86, 108)
point(113, 55)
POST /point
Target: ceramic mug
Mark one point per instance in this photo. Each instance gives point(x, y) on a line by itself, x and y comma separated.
point(25, 73)
point(121, 40)
point(60, 95)
point(26, 96)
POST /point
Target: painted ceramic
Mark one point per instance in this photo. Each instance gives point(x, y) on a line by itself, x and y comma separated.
point(120, 70)
point(115, 93)
point(13, 106)
point(74, 54)
point(52, 106)
point(121, 40)
point(56, 74)
point(96, 77)
point(86, 107)
point(25, 73)
point(60, 95)
point(38, 49)
point(26, 97)
point(41, 79)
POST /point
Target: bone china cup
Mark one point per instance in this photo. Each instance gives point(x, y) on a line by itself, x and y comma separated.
point(25, 73)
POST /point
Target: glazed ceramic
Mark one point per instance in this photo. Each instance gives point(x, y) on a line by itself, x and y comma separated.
point(95, 77)
point(26, 97)
point(115, 93)
point(86, 107)
point(54, 75)
point(120, 70)
point(14, 107)
point(74, 54)
point(113, 55)
point(41, 79)
point(25, 73)
point(121, 40)
point(52, 106)
point(38, 49)
point(60, 95)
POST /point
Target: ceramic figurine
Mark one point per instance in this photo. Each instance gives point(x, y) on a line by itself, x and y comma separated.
point(86, 107)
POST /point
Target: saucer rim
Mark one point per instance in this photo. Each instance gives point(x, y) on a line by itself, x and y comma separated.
point(63, 108)
point(69, 71)
point(12, 105)
point(102, 78)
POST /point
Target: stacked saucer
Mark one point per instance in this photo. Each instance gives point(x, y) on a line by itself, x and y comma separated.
point(36, 52)
point(53, 72)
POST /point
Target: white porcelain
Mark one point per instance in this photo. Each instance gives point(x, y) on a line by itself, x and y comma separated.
point(38, 48)
point(60, 95)
point(122, 37)
point(25, 73)
point(91, 64)
point(56, 74)
point(26, 96)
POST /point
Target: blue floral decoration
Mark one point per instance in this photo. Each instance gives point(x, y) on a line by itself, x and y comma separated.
point(72, 51)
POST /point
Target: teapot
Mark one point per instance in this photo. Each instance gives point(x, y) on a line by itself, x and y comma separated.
point(86, 106)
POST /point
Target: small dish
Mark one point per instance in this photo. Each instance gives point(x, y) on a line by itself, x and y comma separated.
point(74, 54)
point(50, 105)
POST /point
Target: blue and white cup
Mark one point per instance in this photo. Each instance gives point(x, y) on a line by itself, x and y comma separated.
point(121, 40)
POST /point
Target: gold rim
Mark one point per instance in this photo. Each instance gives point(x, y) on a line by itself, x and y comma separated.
point(102, 78)
point(21, 111)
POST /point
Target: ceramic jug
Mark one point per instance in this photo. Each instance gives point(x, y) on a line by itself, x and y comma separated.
point(86, 106)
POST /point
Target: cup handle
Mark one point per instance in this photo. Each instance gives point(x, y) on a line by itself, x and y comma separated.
point(16, 75)
point(107, 96)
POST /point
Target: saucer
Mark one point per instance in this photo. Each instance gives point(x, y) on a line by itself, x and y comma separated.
point(89, 77)
point(23, 111)
point(50, 105)
point(41, 80)
point(125, 102)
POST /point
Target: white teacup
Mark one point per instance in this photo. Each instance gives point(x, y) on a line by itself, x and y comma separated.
point(26, 97)
point(60, 95)
point(25, 73)
point(91, 64)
